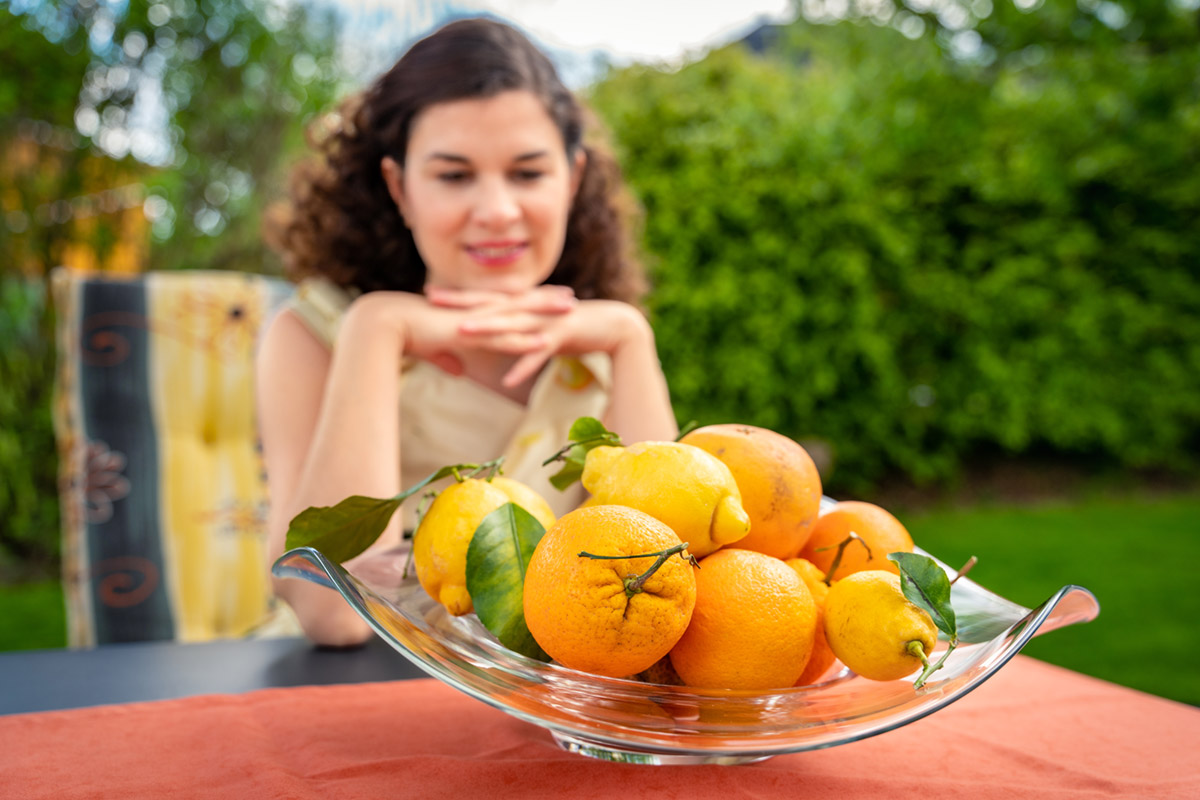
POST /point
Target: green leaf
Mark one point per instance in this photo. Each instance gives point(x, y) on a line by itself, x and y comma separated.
point(342, 531)
point(496, 562)
point(586, 433)
point(587, 428)
point(686, 429)
point(925, 584)
point(347, 529)
point(572, 468)
point(570, 472)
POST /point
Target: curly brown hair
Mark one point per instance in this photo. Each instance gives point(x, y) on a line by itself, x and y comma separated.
point(342, 223)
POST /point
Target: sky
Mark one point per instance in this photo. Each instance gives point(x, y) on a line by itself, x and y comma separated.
point(572, 31)
point(578, 35)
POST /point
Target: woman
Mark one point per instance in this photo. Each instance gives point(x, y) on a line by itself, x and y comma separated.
point(465, 292)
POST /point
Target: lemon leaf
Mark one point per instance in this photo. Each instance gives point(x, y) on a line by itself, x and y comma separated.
point(925, 584)
point(586, 433)
point(587, 428)
point(347, 529)
point(686, 429)
point(497, 558)
point(342, 531)
point(572, 468)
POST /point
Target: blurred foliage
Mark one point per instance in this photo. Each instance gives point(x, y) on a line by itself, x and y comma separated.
point(938, 229)
point(918, 250)
point(201, 99)
point(137, 135)
point(34, 616)
point(28, 469)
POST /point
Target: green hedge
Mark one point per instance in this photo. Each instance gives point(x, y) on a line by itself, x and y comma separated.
point(917, 260)
point(29, 523)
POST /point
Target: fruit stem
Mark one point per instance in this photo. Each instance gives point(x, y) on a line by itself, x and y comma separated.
point(918, 649)
point(475, 470)
point(841, 549)
point(633, 585)
point(422, 507)
point(971, 562)
point(608, 436)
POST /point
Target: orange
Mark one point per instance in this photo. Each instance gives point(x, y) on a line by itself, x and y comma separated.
point(822, 656)
point(882, 533)
point(779, 483)
point(580, 610)
point(753, 627)
point(660, 672)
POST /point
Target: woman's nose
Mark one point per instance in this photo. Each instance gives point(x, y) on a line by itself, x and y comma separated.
point(495, 204)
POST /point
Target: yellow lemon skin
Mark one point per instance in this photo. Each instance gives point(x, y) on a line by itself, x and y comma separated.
point(526, 498)
point(588, 502)
point(869, 623)
point(441, 540)
point(680, 485)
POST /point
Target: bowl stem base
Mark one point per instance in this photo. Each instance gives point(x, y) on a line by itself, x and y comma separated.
point(608, 752)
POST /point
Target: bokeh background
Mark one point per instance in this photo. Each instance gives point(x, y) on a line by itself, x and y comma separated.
point(952, 246)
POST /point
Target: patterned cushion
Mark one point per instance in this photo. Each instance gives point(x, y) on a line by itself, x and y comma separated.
point(162, 488)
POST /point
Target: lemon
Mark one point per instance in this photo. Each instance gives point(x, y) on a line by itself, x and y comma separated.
point(870, 624)
point(441, 540)
point(680, 485)
point(526, 498)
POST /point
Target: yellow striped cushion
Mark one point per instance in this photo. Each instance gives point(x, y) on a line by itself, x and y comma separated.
point(163, 496)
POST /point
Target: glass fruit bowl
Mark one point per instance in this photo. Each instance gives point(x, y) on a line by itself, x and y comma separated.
point(625, 720)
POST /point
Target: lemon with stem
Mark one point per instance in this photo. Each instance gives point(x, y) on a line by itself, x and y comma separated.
point(874, 629)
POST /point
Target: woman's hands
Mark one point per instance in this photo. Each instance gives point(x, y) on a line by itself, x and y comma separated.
point(539, 325)
point(446, 325)
point(503, 324)
point(639, 405)
point(504, 340)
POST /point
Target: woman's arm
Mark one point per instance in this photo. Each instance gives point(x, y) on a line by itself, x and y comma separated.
point(330, 422)
point(330, 429)
point(640, 406)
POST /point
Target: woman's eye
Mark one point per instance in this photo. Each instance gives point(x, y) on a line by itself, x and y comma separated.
point(528, 175)
point(453, 177)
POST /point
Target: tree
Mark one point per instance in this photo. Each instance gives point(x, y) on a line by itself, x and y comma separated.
point(925, 258)
point(184, 112)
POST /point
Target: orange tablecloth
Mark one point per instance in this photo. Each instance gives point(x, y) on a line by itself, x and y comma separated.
point(1033, 730)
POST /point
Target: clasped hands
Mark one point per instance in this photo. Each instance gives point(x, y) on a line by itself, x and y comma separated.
point(532, 326)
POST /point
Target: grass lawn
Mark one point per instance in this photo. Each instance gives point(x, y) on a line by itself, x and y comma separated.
point(32, 616)
point(1135, 553)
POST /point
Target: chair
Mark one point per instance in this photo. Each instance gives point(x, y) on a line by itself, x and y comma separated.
point(161, 482)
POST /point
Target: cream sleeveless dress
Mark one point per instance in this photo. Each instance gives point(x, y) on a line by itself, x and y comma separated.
point(447, 419)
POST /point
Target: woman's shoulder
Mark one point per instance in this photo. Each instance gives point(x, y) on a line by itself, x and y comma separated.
point(289, 339)
point(320, 304)
point(291, 365)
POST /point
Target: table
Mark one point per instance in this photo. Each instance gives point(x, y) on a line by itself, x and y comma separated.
point(1033, 730)
point(43, 680)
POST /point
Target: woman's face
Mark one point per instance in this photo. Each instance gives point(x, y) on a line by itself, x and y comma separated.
point(486, 189)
